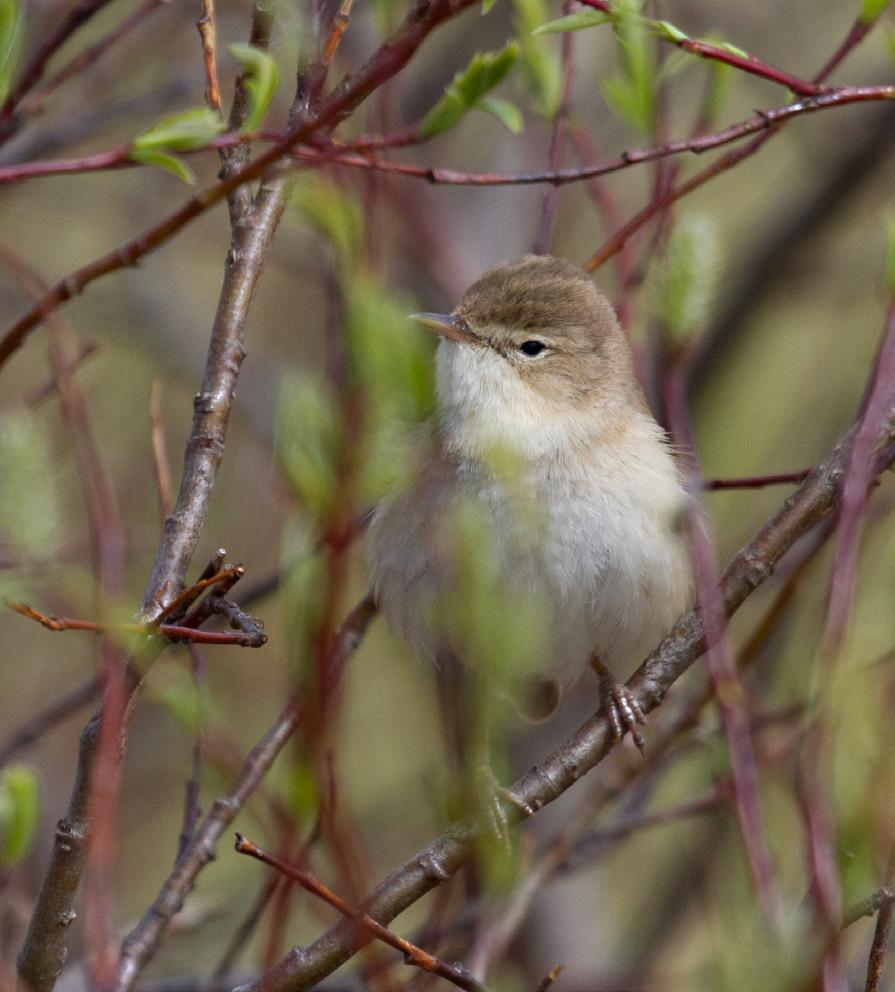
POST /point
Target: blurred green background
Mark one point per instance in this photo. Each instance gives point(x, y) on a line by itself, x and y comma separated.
point(797, 239)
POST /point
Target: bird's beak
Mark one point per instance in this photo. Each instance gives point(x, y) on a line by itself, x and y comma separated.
point(448, 325)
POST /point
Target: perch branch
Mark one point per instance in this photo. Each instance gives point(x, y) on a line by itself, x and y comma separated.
point(814, 500)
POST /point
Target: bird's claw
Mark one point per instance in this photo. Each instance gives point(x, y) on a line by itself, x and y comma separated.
point(624, 713)
point(493, 797)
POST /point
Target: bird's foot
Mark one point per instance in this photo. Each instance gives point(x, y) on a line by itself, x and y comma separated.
point(492, 800)
point(622, 708)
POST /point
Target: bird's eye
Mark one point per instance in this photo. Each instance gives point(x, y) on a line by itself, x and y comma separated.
point(532, 348)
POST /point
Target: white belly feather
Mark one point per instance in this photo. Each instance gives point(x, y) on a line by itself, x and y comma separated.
point(608, 560)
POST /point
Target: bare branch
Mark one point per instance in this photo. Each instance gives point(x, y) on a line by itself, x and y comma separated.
point(454, 973)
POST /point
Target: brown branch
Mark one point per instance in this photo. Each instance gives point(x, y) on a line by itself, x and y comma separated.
point(225, 577)
point(550, 199)
point(755, 481)
point(173, 632)
point(870, 906)
point(142, 942)
point(206, 28)
point(760, 122)
point(813, 501)
point(193, 784)
point(334, 38)
point(44, 952)
point(413, 955)
point(880, 401)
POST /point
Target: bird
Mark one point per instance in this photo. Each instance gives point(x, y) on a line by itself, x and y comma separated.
point(588, 526)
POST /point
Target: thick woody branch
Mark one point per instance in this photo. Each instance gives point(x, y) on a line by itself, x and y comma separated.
point(45, 950)
point(815, 499)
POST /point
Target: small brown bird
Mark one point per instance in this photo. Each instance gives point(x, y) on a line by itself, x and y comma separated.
point(533, 361)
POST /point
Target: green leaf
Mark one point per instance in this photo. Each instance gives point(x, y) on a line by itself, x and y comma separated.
point(574, 22)
point(10, 42)
point(718, 90)
point(507, 113)
point(872, 9)
point(171, 163)
point(19, 806)
point(178, 693)
point(482, 74)
point(30, 514)
point(261, 78)
point(540, 58)
point(180, 132)
point(668, 32)
point(631, 94)
point(307, 439)
point(334, 211)
point(890, 44)
point(487, 5)
point(726, 46)
point(687, 278)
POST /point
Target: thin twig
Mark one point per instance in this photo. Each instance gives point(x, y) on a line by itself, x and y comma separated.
point(206, 28)
point(413, 955)
point(193, 784)
point(171, 631)
point(755, 481)
point(550, 199)
point(881, 398)
point(869, 906)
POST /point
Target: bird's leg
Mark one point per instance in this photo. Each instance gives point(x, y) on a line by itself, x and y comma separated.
point(467, 731)
point(622, 708)
point(491, 797)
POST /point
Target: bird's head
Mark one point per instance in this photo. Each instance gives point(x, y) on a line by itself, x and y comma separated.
point(533, 356)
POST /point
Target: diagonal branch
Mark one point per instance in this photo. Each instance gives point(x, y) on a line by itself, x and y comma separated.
point(813, 501)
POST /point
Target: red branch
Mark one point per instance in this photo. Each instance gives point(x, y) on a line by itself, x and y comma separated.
point(413, 955)
point(745, 62)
